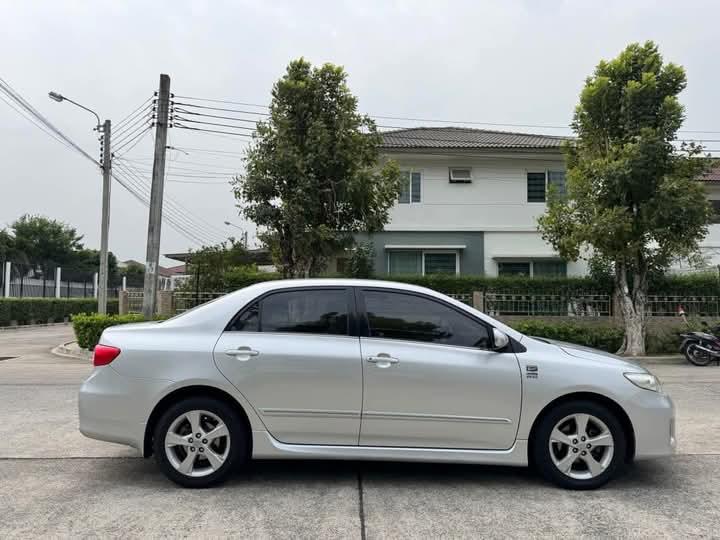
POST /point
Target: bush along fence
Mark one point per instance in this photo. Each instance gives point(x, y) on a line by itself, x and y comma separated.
point(21, 311)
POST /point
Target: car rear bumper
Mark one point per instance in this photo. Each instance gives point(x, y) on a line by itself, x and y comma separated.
point(114, 408)
point(653, 418)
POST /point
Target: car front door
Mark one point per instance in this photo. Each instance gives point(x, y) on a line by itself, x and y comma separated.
point(430, 377)
point(292, 355)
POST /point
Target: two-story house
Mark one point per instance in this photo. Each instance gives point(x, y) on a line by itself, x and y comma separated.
point(470, 203)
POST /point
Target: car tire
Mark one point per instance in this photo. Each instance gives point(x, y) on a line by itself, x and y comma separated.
point(576, 457)
point(200, 462)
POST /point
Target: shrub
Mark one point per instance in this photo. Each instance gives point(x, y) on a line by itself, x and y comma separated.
point(604, 337)
point(89, 327)
point(44, 310)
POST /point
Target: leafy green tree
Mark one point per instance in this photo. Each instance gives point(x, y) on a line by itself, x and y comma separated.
point(134, 272)
point(85, 262)
point(45, 242)
point(210, 265)
point(632, 199)
point(7, 245)
point(362, 261)
point(312, 176)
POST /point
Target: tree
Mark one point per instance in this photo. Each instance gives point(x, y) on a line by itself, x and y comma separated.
point(7, 245)
point(210, 265)
point(362, 261)
point(312, 176)
point(135, 274)
point(85, 262)
point(632, 199)
point(45, 242)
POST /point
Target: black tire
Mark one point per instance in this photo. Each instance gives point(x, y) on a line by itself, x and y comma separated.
point(700, 361)
point(540, 448)
point(238, 438)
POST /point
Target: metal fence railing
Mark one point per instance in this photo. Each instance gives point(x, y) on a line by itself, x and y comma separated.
point(182, 301)
point(135, 301)
point(465, 298)
point(577, 305)
point(698, 306)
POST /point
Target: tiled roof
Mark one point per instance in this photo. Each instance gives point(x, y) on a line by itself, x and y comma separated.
point(712, 176)
point(458, 137)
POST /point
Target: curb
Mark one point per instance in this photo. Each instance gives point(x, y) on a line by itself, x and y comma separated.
point(31, 326)
point(65, 351)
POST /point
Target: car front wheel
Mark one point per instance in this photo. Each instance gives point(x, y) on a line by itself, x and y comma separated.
point(579, 445)
point(198, 441)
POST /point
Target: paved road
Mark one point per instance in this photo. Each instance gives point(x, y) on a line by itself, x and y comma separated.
point(57, 483)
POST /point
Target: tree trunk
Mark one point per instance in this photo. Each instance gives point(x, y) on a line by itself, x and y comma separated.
point(633, 309)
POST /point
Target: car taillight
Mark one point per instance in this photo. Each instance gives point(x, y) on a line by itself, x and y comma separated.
point(104, 354)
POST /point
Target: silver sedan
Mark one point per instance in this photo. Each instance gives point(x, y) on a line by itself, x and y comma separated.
point(351, 369)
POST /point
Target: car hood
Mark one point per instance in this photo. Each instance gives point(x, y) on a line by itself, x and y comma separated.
point(596, 355)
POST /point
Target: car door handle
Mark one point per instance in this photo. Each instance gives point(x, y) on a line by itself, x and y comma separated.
point(382, 360)
point(242, 353)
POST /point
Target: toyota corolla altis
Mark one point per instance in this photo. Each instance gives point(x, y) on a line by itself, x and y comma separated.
point(355, 369)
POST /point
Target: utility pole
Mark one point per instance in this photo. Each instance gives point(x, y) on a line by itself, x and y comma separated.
point(105, 225)
point(152, 259)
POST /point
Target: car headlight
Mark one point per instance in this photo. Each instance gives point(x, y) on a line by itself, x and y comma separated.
point(647, 381)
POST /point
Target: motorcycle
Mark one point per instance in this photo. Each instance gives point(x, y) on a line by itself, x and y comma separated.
point(701, 348)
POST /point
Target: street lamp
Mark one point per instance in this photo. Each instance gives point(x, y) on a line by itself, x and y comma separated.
point(244, 232)
point(105, 222)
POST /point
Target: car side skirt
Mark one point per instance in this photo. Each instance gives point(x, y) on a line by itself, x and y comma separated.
point(267, 447)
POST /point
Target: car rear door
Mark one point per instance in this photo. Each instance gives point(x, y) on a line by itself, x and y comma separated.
point(430, 378)
point(293, 355)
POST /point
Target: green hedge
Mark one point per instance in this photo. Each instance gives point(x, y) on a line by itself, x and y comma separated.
point(706, 284)
point(604, 337)
point(89, 327)
point(44, 310)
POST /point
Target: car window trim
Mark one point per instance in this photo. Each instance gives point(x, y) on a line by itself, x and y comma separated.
point(350, 300)
point(365, 322)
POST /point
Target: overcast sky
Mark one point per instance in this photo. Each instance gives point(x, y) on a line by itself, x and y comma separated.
point(511, 62)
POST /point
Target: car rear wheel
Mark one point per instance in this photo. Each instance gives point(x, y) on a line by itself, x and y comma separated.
point(198, 441)
point(579, 445)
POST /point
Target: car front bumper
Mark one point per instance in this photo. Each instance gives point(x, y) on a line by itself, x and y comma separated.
point(115, 408)
point(653, 418)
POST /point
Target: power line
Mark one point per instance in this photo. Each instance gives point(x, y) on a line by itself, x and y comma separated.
point(222, 101)
point(123, 120)
point(24, 104)
point(211, 131)
point(175, 118)
point(175, 212)
point(175, 103)
point(139, 138)
point(248, 120)
point(434, 120)
point(144, 198)
point(185, 212)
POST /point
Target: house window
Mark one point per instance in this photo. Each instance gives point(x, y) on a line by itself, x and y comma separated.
point(536, 187)
point(440, 263)
point(404, 262)
point(411, 187)
point(513, 269)
point(539, 182)
point(533, 268)
point(421, 262)
point(549, 269)
point(460, 175)
point(556, 179)
point(715, 218)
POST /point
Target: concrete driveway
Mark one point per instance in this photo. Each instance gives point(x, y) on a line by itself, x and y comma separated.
point(54, 482)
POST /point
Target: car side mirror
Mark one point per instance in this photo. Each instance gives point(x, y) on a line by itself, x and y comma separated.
point(500, 340)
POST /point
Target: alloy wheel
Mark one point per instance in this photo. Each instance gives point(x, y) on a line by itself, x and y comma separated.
point(197, 443)
point(581, 446)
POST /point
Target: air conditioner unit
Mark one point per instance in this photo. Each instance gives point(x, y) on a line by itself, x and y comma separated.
point(460, 175)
